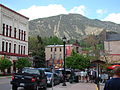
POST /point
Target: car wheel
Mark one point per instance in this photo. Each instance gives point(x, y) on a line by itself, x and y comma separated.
point(14, 87)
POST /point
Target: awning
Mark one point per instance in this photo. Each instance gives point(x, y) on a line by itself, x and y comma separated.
point(113, 66)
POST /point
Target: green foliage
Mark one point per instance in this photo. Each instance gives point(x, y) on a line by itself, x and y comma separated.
point(32, 43)
point(77, 61)
point(52, 40)
point(23, 62)
point(5, 64)
point(37, 47)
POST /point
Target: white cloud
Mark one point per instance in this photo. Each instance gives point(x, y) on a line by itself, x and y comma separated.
point(79, 10)
point(100, 11)
point(34, 11)
point(113, 17)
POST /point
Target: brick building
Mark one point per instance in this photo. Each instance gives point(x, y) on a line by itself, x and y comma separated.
point(13, 34)
point(112, 47)
point(55, 52)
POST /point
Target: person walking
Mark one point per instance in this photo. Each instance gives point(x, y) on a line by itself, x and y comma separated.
point(114, 83)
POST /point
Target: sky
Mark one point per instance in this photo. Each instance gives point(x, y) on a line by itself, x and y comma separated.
point(105, 10)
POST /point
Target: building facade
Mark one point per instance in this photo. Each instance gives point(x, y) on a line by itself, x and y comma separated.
point(13, 34)
point(54, 53)
point(112, 50)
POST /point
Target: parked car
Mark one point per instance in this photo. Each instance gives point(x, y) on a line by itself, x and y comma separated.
point(46, 69)
point(29, 78)
point(54, 77)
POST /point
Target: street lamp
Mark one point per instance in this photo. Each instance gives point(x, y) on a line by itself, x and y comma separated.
point(64, 42)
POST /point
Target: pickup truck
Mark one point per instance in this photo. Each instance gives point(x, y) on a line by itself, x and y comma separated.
point(29, 78)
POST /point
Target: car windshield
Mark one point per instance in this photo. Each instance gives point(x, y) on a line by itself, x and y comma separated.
point(49, 75)
point(31, 71)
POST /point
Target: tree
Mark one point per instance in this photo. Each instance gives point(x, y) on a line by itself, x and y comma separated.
point(5, 64)
point(52, 40)
point(23, 62)
point(37, 47)
point(77, 61)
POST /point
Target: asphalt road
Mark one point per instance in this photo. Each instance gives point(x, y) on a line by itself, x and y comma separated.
point(5, 85)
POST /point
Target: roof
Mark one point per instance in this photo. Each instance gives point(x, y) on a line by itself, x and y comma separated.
point(112, 37)
point(59, 45)
point(13, 11)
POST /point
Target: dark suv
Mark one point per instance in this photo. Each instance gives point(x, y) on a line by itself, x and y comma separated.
point(29, 78)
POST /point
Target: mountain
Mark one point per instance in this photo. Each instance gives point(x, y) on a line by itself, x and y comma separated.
point(73, 26)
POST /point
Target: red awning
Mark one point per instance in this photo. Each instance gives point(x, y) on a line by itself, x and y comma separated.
point(112, 67)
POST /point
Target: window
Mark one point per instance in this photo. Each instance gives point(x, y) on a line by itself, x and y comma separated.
point(51, 56)
point(9, 47)
point(51, 49)
point(14, 48)
point(6, 30)
point(10, 31)
point(24, 35)
point(19, 49)
point(60, 55)
point(77, 49)
point(24, 50)
point(6, 46)
point(3, 29)
point(14, 32)
point(55, 49)
point(3, 46)
point(19, 34)
point(60, 49)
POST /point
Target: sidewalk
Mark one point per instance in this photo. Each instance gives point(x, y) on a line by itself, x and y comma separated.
point(75, 86)
point(102, 86)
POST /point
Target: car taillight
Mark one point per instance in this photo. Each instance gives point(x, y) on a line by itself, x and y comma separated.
point(33, 80)
point(13, 77)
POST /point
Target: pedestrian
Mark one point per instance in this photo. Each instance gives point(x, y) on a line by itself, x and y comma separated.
point(114, 83)
point(82, 76)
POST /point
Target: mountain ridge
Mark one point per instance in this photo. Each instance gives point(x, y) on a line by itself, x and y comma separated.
point(73, 26)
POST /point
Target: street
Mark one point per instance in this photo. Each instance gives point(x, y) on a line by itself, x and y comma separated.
point(5, 85)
